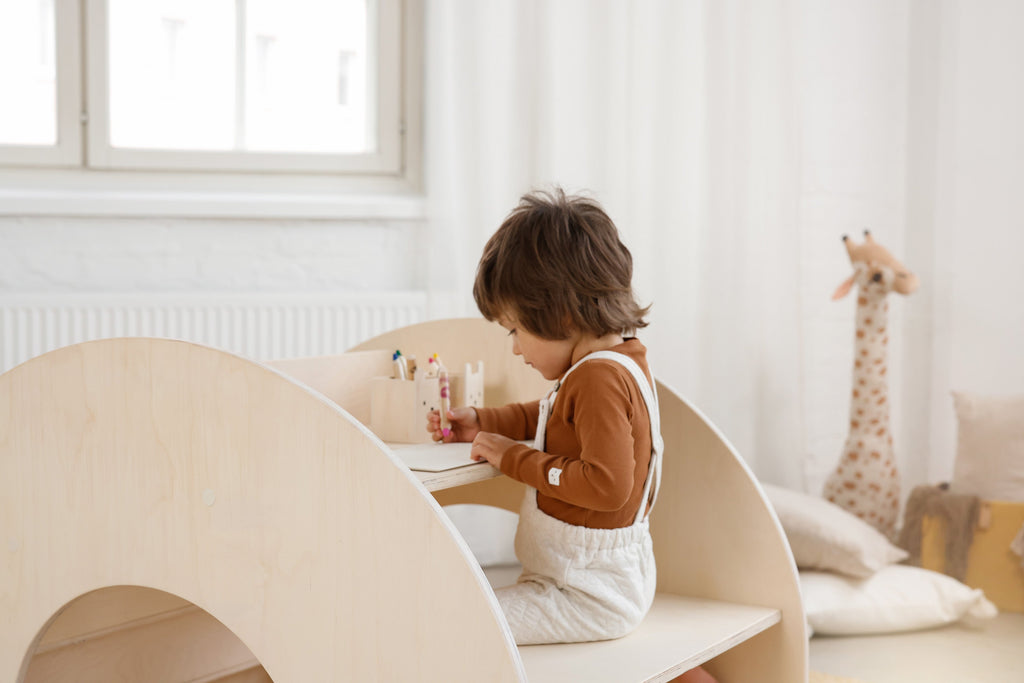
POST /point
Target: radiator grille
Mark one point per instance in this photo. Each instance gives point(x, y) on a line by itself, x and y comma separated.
point(257, 326)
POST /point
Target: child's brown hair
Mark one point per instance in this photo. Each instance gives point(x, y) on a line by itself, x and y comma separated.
point(557, 264)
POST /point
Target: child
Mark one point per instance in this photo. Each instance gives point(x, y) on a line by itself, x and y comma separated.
point(557, 277)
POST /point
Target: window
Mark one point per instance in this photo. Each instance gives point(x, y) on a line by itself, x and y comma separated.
point(39, 121)
point(314, 87)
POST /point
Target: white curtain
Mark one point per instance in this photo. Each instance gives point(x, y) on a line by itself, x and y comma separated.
point(679, 117)
point(733, 142)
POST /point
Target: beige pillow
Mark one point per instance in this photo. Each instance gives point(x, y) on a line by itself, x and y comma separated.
point(990, 446)
point(824, 536)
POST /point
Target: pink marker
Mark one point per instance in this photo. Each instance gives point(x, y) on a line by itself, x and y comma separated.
point(446, 402)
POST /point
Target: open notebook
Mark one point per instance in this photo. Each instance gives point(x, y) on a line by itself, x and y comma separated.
point(435, 457)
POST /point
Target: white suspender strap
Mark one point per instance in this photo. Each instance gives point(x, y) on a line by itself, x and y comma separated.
point(653, 481)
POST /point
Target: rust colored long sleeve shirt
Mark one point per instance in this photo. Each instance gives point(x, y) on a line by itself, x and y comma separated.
point(598, 435)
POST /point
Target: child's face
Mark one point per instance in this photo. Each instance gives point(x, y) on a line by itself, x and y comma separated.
point(550, 357)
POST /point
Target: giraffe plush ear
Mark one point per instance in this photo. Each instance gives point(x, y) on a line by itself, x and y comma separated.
point(844, 288)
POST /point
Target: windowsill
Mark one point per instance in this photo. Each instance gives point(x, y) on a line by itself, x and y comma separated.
point(150, 195)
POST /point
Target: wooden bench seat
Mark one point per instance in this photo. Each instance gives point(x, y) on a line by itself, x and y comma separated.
point(677, 635)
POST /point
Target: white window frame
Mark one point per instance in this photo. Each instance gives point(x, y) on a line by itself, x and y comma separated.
point(68, 150)
point(83, 175)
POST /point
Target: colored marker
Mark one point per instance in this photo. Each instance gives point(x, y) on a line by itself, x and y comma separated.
point(401, 369)
point(446, 401)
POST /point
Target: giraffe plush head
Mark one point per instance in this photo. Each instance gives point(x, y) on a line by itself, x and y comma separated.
point(875, 269)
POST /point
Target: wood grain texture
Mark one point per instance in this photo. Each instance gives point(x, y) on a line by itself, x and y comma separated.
point(677, 635)
point(170, 465)
point(717, 537)
point(185, 645)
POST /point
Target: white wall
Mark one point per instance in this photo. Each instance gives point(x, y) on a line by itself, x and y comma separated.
point(853, 141)
point(111, 254)
point(977, 310)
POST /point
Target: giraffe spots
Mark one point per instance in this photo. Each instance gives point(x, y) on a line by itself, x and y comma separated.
point(863, 352)
point(852, 503)
point(895, 504)
point(862, 301)
point(856, 394)
point(893, 473)
point(875, 487)
point(860, 411)
point(831, 499)
point(878, 361)
point(882, 371)
point(861, 381)
point(860, 334)
point(881, 432)
point(885, 340)
point(854, 424)
point(849, 485)
point(856, 364)
point(875, 421)
point(858, 475)
point(860, 444)
point(853, 456)
point(875, 391)
point(867, 321)
point(881, 400)
point(881, 330)
point(876, 455)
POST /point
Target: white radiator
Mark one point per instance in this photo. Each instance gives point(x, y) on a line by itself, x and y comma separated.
point(260, 326)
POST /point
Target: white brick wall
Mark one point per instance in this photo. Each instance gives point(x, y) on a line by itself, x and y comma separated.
point(39, 255)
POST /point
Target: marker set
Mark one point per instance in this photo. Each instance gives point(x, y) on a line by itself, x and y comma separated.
point(399, 404)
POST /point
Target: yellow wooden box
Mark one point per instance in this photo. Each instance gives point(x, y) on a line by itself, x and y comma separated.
point(991, 565)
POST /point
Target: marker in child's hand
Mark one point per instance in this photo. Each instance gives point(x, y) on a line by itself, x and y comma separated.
point(446, 402)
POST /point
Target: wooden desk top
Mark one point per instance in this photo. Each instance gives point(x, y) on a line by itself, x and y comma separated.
point(443, 466)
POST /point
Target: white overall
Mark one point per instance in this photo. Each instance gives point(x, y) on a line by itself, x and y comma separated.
point(580, 584)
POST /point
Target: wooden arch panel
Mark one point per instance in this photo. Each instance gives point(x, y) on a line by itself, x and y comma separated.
point(173, 466)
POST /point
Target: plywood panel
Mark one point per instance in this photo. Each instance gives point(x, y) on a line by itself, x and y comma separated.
point(170, 465)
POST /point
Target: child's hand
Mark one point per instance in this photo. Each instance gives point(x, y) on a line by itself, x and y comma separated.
point(490, 447)
point(465, 424)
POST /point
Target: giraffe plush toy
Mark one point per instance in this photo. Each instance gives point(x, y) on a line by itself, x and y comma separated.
point(866, 481)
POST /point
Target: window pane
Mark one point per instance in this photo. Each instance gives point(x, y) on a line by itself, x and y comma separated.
point(172, 66)
point(252, 75)
point(28, 73)
point(306, 81)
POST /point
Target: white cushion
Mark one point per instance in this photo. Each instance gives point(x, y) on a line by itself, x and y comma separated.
point(489, 532)
point(823, 535)
point(896, 598)
point(990, 446)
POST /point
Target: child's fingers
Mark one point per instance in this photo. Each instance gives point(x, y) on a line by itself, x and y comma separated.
point(463, 414)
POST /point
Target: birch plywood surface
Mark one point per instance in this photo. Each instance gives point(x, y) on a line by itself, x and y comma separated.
point(174, 466)
point(677, 635)
point(468, 340)
point(717, 537)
